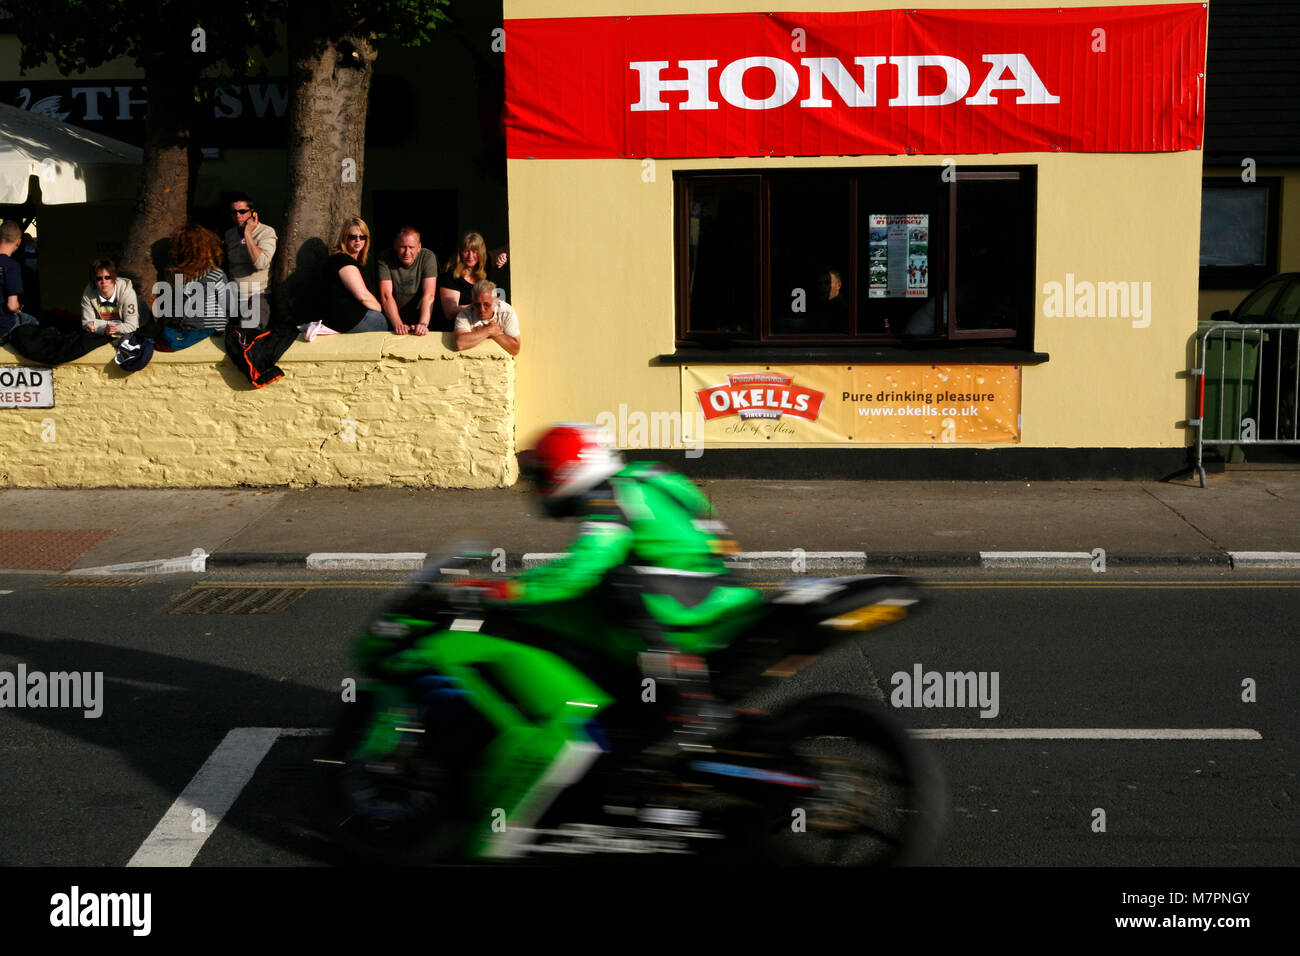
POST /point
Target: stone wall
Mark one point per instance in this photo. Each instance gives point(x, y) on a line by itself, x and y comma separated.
point(364, 409)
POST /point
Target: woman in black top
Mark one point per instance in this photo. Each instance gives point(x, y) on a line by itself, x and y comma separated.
point(349, 306)
point(456, 284)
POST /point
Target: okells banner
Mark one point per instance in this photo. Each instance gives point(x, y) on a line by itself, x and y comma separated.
point(863, 404)
point(1078, 79)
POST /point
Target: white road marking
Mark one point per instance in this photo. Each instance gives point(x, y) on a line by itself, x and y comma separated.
point(352, 561)
point(1264, 559)
point(1085, 733)
point(213, 790)
point(194, 563)
point(1035, 559)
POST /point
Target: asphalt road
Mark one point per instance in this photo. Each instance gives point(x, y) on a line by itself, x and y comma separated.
point(1135, 652)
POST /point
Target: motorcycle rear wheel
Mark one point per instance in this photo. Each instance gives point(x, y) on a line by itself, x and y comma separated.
point(883, 801)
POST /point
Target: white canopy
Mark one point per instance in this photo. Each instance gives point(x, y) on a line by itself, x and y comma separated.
point(74, 165)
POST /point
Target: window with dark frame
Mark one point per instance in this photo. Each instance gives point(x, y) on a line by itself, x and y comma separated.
point(1239, 231)
point(876, 256)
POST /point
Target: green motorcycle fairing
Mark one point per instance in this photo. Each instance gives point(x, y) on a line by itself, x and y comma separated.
point(539, 706)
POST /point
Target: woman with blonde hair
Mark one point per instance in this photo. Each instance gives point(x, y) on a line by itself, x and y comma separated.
point(456, 284)
point(349, 305)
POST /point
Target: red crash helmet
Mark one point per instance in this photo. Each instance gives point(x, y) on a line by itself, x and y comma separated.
point(572, 458)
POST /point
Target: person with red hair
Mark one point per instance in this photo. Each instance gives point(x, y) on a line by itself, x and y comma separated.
point(199, 302)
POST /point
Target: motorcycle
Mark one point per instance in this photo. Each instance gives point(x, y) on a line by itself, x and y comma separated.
point(437, 758)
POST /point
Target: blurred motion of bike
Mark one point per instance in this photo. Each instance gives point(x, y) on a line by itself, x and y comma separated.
point(437, 758)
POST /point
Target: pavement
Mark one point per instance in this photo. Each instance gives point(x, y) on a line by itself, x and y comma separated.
point(1247, 517)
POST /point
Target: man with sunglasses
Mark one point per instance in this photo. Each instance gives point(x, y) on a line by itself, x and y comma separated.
point(108, 304)
point(250, 246)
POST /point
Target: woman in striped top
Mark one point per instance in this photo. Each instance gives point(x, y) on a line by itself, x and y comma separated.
point(207, 294)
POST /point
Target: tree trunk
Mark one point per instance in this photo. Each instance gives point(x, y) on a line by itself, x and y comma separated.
point(163, 197)
point(329, 92)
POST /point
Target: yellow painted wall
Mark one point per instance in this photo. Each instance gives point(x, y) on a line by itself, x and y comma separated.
point(592, 251)
point(599, 305)
point(418, 413)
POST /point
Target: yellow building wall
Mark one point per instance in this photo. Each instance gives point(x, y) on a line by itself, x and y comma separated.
point(592, 247)
point(592, 255)
point(362, 409)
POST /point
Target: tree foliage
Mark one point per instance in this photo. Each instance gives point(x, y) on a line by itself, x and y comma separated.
point(78, 35)
point(408, 22)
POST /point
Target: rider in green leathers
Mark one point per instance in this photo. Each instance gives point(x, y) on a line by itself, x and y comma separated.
point(646, 531)
point(650, 549)
point(643, 589)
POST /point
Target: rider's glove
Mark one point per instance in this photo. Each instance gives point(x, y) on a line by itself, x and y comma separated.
point(475, 590)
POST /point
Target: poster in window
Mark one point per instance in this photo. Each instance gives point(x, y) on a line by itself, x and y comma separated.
point(898, 253)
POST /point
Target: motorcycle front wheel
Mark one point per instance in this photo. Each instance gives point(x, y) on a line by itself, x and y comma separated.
point(404, 810)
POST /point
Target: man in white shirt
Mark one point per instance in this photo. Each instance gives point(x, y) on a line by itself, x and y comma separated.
point(487, 318)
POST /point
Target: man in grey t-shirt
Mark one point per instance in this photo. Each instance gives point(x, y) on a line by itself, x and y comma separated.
point(408, 283)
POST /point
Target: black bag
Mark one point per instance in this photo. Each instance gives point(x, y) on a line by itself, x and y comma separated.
point(133, 352)
point(255, 351)
point(51, 346)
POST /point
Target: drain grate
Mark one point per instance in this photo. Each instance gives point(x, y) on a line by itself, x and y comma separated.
point(233, 600)
point(97, 581)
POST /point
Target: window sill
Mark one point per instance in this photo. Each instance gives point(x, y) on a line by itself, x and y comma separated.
point(945, 354)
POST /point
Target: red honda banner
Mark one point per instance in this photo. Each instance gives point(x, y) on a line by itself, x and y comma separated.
point(1081, 79)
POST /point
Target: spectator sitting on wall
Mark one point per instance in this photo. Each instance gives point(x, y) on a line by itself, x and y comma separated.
point(456, 285)
point(349, 306)
point(11, 280)
point(250, 246)
point(201, 299)
point(408, 283)
point(26, 258)
point(108, 303)
point(488, 318)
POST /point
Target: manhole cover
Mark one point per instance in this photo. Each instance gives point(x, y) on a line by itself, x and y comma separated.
point(236, 600)
point(97, 581)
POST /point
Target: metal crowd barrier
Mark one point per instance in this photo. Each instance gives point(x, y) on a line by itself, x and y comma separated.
point(1248, 428)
